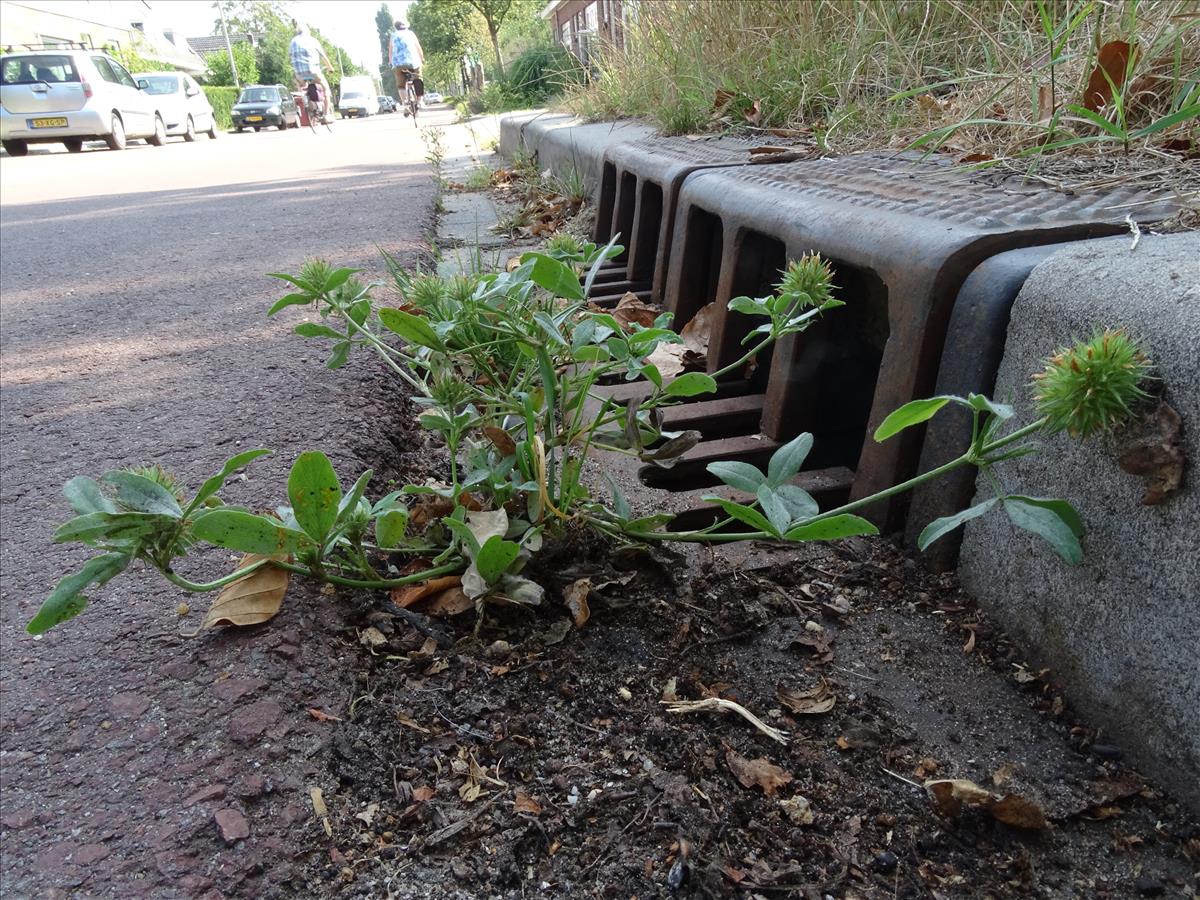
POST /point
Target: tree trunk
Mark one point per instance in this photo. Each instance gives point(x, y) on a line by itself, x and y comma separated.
point(496, 47)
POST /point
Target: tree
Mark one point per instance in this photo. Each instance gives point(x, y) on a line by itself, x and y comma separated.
point(494, 13)
point(219, 73)
point(383, 27)
point(444, 27)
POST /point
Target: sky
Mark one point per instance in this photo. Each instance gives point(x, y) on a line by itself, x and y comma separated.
point(348, 23)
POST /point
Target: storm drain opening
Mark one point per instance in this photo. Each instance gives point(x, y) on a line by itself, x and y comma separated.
point(700, 265)
point(824, 379)
point(758, 265)
point(643, 254)
point(602, 231)
point(623, 212)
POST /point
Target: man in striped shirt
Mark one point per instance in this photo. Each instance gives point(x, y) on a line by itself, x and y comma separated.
point(306, 54)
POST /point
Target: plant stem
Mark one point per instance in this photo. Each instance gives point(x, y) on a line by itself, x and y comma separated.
point(447, 569)
point(205, 586)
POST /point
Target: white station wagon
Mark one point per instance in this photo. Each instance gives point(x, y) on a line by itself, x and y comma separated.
point(70, 96)
point(183, 105)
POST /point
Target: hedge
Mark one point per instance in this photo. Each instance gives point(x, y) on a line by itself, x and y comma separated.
point(222, 100)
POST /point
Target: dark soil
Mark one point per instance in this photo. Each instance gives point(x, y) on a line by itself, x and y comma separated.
point(539, 760)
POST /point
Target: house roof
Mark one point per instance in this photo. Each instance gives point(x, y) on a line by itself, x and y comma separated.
point(213, 43)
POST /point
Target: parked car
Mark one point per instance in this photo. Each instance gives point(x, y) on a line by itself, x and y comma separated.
point(358, 97)
point(432, 97)
point(184, 106)
point(69, 96)
point(263, 105)
point(386, 104)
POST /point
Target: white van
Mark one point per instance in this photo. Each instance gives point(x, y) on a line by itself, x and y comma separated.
point(358, 97)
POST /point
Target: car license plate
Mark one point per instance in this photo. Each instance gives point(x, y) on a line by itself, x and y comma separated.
point(57, 122)
point(254, 118)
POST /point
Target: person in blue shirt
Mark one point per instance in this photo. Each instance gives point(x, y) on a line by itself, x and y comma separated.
point(407, 57)
point(307, 55)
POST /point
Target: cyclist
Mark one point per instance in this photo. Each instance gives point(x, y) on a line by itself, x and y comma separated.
point(307, 55)
point(407, 58)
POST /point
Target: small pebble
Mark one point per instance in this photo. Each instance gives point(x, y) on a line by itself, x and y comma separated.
point(1106, 751)
point(886, 861)
point(625, 693)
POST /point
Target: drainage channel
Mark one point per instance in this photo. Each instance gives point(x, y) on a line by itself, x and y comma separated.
point(904, 236)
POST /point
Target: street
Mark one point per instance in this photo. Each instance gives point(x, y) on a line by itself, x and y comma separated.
point(133, 297)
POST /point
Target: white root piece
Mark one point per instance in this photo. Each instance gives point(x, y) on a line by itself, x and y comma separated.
point(716, 704)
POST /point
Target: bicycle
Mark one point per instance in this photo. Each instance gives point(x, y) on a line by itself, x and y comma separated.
point(316, 111)
point(410, 99)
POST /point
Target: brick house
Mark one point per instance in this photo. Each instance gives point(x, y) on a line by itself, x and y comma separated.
point(585, 27)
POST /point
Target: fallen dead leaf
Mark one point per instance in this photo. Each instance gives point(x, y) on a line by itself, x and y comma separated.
point(406, 595)
point(523, 803)
point(813, 702)
point(423, 794)
point(798, 809)
point(759, 772)
point(1003, 774)
point(675, 359)
point(722, 98)
point(371, 637)
point(501, 439)
point(950, 795)
point(437, 666)
point(1112, 64)
point(576, 596)
point(252, 599)
point(630, 310)
point(754, 114)
point(410, 723)
point(322, 716)
point(451, 602)
point(1153, 448)
point(696, 332)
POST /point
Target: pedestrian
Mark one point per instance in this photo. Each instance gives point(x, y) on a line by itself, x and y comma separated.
point(307, 55)
point(407, 56)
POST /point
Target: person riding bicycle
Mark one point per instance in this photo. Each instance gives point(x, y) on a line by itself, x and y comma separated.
point(316, 99)
point(307, 55)
point(407, 58)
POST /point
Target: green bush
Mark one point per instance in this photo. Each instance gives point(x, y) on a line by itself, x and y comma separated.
point(222, 100)
point(542, 72)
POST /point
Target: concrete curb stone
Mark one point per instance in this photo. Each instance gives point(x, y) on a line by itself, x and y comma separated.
point(1121, 631)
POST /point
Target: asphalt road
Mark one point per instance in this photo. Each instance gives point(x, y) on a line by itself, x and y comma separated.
point(133, 299)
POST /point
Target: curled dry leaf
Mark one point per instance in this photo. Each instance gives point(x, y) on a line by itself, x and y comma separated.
point(1112, 64)
point(722, 98)
point(406, 595)
point(812, 702)
point(696, 332)
point(675, 359)
point(501, 439)
point(321, 716)
point(453, 601)
point(576, 596)
point(523, 803)
point(759, 772)
point(754, 114)
point(950, 795)
point(252, 599)
point(631, 311)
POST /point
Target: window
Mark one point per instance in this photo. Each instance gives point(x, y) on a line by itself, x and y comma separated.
point(51, 41)
point(123, 77)
point(161, 84)
point(105, 70)
point(32, 69)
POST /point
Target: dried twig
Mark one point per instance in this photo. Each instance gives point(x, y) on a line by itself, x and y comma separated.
point(716, 703)
point(1134, 230)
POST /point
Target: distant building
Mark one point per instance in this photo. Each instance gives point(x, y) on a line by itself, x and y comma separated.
point(122, 24)
point(587, 27)
point(215, 43)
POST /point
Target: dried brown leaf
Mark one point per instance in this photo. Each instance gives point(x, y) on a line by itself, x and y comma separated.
point(501, 440)
point(759, 772)
point(631, 310)
point(523, 803)
point(321, 716)
point(695, 333)
point(675, 359)
point(1018, 812)
point(1112, 64)
point(754, 114)
point(576, 596)
point(451, 602)
point(950, 795)
point(252, 599)
point(406, 595)
point(812, 702)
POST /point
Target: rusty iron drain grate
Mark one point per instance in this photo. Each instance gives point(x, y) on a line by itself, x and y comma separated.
point(639, 191)
point(903, 235)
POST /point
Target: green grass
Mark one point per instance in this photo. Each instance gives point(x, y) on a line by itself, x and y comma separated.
point(1000, 78)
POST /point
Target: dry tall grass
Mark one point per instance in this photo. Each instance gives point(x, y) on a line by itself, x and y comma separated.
point(988, 77)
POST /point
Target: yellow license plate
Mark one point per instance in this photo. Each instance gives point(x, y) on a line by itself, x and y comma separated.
point(254, 118)
point(58, 122)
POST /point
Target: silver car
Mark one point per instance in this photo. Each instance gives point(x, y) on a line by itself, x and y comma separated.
point(182, 103)
point(70, 96)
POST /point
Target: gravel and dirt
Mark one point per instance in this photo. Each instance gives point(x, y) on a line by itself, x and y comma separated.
point(336, 752)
